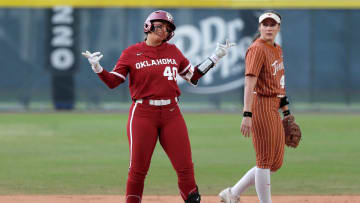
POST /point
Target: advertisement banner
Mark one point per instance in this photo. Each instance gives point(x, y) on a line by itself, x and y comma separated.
point(198, 40)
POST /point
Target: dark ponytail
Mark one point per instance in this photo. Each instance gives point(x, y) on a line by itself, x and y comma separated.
point(256, 36)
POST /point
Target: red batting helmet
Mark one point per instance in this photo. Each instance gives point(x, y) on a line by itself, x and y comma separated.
point(160, 15)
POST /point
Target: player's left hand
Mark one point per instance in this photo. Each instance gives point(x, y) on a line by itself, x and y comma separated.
point(222, 49)
point(292, 131)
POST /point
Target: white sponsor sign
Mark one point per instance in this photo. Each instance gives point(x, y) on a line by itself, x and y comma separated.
point(198, 43)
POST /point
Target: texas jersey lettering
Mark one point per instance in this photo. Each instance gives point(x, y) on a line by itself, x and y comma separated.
point(266, 62)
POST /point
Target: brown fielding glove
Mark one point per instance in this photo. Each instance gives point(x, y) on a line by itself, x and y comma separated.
point(292, 131)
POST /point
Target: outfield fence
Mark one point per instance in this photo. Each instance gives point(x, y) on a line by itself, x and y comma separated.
point(42, 67)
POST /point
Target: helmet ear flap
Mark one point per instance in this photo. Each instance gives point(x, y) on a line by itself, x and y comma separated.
point(170, 36)
point(152, 28)
point(148, 27)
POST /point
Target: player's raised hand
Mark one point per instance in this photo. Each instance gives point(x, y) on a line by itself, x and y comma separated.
point(94, 59)
point(221, 50)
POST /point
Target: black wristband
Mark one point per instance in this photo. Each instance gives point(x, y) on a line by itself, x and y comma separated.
point(284, 101)
point(286, 113)
point(247, 114)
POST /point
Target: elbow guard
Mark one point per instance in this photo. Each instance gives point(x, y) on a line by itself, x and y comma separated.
point(205, 66)
point(201, 70)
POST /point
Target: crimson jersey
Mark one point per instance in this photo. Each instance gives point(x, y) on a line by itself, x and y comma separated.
point(266, 62)
point(152, 71)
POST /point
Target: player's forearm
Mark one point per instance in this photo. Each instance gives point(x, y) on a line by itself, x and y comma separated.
point(250, 82)
point(285, 108)
point(112, 79)
point(201, 69)
point(109, 79)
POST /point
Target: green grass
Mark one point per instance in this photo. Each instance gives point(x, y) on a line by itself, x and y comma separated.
point(87, 153)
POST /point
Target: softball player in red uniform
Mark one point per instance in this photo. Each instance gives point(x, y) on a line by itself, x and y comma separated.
point(152, 67)
point(264, 94)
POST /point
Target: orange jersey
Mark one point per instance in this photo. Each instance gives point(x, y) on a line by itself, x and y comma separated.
point(265, 62)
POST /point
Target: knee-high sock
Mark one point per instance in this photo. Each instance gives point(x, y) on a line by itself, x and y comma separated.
point(246, 181)
point(262, 184)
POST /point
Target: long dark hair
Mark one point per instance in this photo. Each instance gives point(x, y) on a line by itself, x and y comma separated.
point(257, 34)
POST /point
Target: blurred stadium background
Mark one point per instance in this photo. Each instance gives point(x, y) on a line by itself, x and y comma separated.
point(42, 68)
point(87, 153)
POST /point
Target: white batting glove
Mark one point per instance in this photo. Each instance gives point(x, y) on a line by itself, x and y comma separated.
point(94, 59)
point(221, 50)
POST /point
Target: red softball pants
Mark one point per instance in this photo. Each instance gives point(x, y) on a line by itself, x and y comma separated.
point(146, 125)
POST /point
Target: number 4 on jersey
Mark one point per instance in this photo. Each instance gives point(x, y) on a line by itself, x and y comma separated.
point(171, 75)
point(282, 81)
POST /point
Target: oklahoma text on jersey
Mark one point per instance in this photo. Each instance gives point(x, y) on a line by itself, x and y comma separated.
point(156, 62)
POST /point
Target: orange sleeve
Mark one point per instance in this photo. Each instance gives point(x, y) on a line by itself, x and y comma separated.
point(254, 61)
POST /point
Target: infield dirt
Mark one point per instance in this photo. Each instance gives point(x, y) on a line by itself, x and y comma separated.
point(169, 199)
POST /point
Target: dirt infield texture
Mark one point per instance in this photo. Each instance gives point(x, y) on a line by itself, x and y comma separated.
point(169, 199)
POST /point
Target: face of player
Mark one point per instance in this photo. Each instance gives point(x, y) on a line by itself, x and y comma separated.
point(268, 29)
point(160, 32)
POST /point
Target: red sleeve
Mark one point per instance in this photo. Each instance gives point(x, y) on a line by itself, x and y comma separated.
point(118, 74)
point(121, 68)
point(111, 80)
point(254, 61)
